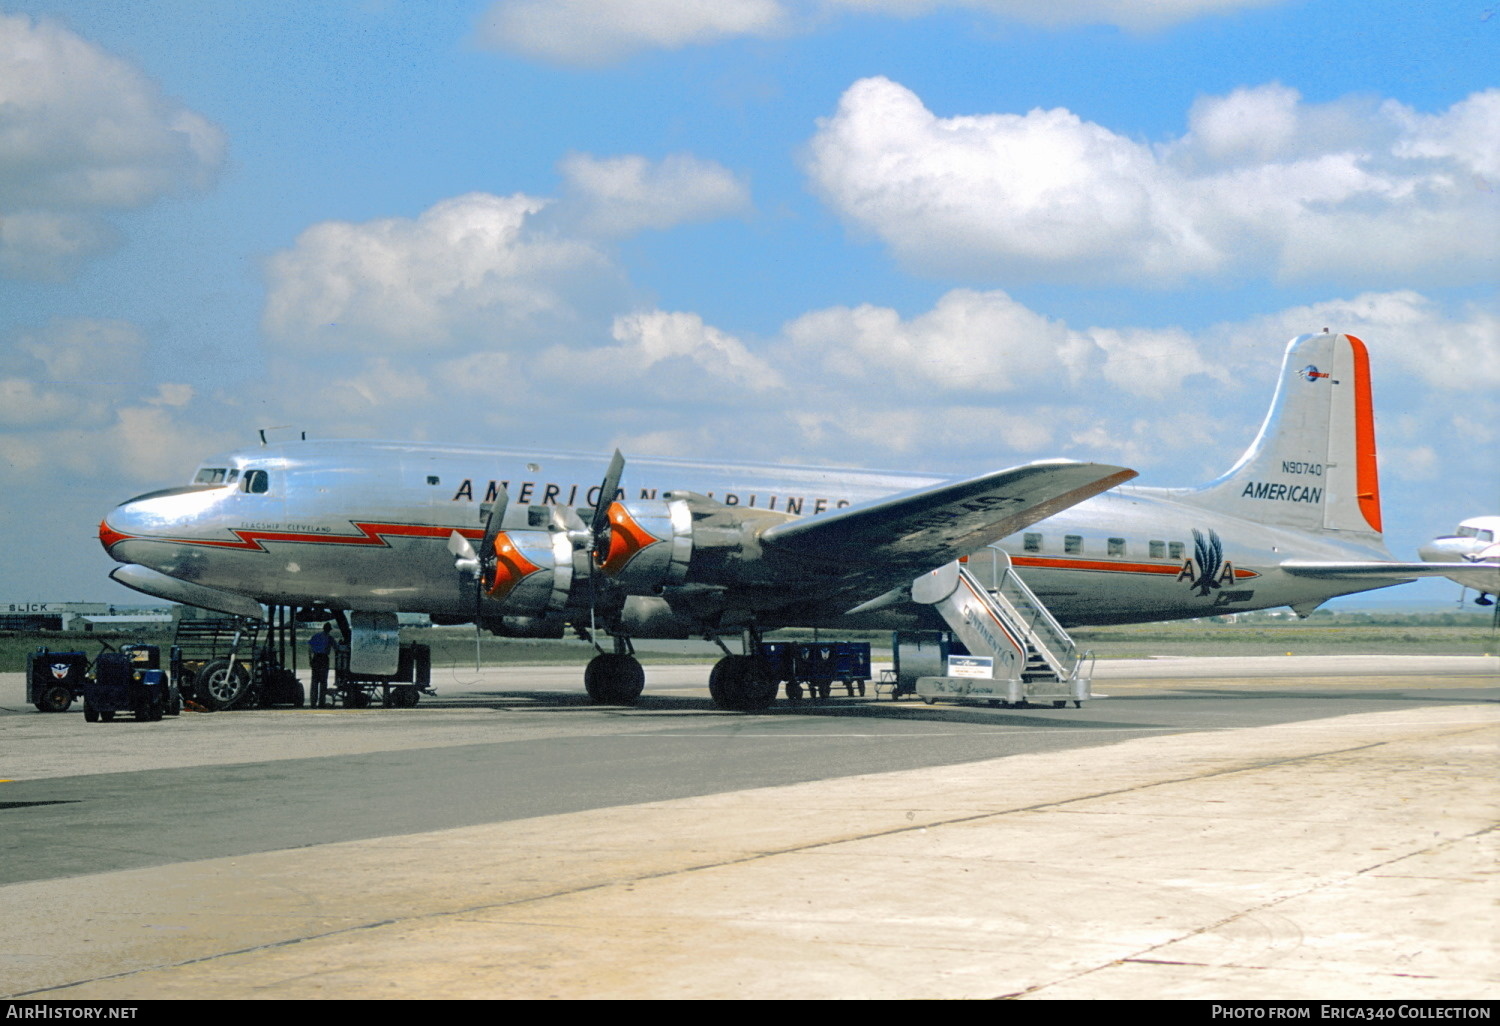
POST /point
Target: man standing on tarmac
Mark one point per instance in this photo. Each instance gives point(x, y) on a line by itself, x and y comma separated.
point(321, 646)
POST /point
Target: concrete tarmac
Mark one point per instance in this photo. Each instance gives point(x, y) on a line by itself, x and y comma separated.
point(1341, 857)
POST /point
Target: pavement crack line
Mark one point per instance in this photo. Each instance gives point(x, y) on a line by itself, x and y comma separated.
point(1143, 956)
point(790, 850)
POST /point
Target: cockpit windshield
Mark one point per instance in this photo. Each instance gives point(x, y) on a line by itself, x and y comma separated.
point(1474, 532)
point(254, 482)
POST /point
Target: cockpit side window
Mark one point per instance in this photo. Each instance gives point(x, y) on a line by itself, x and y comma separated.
point(256, 482)
point(1486, 536)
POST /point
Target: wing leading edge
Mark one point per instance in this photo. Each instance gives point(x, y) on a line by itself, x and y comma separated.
point(915, 531)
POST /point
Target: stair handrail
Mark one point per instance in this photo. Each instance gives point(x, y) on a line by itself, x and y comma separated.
point(1053, 643)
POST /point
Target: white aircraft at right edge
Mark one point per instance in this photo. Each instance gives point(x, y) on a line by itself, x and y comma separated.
point(1475, 541)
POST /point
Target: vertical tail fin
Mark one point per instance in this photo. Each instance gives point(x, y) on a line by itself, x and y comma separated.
point(1313, 464)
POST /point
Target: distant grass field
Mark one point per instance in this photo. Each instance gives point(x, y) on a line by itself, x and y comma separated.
point(1256, 634)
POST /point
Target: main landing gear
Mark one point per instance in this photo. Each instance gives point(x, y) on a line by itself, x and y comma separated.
point(743, 683)
point(615, 678)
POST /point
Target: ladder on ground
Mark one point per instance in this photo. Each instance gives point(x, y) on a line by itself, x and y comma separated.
point(1018, 653)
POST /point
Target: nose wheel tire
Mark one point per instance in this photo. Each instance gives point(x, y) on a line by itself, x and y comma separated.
point(612, 679)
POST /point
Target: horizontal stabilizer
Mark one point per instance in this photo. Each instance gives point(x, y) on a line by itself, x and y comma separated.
point(930, 526)
point(1479, 576)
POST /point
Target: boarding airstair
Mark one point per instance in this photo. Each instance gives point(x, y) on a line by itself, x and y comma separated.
point(1018, 654)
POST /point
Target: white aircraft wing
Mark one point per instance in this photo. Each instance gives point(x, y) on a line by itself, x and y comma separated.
point(862, 551)
point(1479, 576)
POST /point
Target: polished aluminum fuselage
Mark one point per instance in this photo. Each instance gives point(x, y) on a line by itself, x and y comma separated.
point(365, 525)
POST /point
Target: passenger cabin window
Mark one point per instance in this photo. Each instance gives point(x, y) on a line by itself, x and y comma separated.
point(1158, 550)
point(1032, 542)
point(1175, 550)
point(1073, 544)
point(1117, 546)
point(256, 482)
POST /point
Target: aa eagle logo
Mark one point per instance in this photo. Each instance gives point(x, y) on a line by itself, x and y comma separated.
point(1212, 571)
point(60, 670)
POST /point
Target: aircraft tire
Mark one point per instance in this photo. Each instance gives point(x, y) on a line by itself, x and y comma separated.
point(741, 683)
point(222, 684)
point(612, 679)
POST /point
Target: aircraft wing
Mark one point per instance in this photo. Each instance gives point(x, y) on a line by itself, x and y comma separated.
point(1479, 576)
point(893, 539)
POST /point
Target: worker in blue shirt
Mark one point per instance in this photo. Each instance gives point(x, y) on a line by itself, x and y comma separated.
point(321, 646)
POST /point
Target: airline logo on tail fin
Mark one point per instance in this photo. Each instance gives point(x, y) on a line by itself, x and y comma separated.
point(1312, 466)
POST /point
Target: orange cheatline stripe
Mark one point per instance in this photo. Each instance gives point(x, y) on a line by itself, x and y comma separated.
point(1366, 470)
point(250, 540)
point(1160, 569)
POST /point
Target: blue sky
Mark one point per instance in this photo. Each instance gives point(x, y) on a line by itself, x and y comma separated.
point(938, 235)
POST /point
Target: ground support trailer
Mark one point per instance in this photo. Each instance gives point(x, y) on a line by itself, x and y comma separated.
point(815, 667)
point(402, 689)
point(54, 680)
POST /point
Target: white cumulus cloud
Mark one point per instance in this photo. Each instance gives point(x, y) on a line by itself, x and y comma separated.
point(1130, 14)
point(1263, 184)
point(591, 33)
point(468, 266)
point(616, 196)
point(595, 32)
point(83, 133)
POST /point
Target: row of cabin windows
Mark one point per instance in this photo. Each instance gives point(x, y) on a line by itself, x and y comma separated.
point(1073, 546)
point(255, 482)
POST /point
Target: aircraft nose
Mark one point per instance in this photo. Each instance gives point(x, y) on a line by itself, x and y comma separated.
point(1443, 550)
point(145, 518)
point(121, 524)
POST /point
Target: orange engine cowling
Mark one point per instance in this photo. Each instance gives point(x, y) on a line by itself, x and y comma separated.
point(650, 545)
point(533, 573)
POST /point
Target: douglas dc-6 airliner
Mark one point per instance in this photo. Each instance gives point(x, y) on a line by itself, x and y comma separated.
point(529, 544)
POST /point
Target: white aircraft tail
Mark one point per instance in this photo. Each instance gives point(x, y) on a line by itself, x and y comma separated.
point(1313, 464)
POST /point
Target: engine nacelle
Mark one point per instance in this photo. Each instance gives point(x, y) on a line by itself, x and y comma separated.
point(650, 545)
point(533, 573)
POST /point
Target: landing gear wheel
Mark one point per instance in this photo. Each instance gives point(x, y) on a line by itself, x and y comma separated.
point(222, 684)
point(741, 683)
point(614, 679)
point(55, 698)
